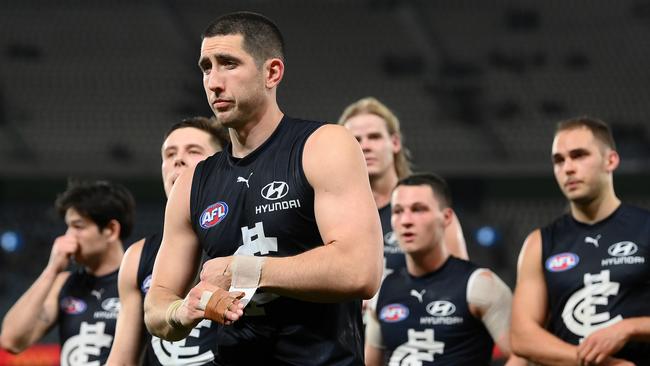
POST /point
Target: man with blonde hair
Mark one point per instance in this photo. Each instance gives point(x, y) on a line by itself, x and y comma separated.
point(377, 129)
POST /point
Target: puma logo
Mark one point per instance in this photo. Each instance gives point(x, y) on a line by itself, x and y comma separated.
point(593, 241)
point(418, 295)
point(97, 293)
point(244, 180)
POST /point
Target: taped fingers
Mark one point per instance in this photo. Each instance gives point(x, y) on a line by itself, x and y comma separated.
point(218, 303)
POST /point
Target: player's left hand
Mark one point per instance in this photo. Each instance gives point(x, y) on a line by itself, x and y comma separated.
point(601, 344)
point(217, 272)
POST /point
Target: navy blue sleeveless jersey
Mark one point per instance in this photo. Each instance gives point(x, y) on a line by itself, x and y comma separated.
point(88, 309)
point(393, 256)
point(597, 275)
point(426, 320)
point(263, 205)
point(199, 346)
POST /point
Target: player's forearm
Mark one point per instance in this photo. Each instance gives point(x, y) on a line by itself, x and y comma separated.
point(539, 346)
point(324, 274)
point(127, 344)
point(27, 315)
point(156, 307)
point(638, 328)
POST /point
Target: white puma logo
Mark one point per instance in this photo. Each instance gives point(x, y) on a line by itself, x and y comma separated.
point(97, 293)
point(418, 295)
point(593, 241)
point(244, 180)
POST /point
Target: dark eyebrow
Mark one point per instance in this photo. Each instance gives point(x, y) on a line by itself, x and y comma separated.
point(579, 150)
point(221, 58)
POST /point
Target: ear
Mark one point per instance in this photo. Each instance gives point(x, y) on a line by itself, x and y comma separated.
point(396, 141)
point(447, 215)
point(612, 159)
point(273, 72)
point(112, 230)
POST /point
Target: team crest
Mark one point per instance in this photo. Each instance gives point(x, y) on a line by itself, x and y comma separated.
point(393, 313)
point(214, 214)
point(562, 262)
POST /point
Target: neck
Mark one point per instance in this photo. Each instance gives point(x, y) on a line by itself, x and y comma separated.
point(109, 262)
point(250, 135)
point(596, 209)
point(382, 187)
point(420, 264)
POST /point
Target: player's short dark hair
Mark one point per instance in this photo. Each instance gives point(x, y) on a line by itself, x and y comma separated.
point(100, 202)
point(262, 38)
point(218, 134)
point(599, 128)
point(437, 183)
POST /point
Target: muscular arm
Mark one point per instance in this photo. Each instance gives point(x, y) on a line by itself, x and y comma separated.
point(455, 240)
point(603, 343)
point(127, 345)
point(529, 311)
point(37, 309)
point(349, 265)
point(34, 313)
point(176, 264)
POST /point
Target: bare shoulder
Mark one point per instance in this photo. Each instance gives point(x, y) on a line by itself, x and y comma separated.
point(133, 252)
point(131, 259)
point(330, 152)
point(329, 136)
point(531, 251)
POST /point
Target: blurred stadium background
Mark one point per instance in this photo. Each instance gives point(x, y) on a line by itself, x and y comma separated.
point(87, 88)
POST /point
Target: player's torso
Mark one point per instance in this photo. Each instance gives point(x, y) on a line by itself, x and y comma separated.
point(88, 309)
point(195, 350)
point(427, 320)
point(597, 274)
point(258, 205)
point(263, 205)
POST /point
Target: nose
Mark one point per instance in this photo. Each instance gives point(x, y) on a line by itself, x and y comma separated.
point(365, 146)
point(568, 166)
point(214, 82)
point(70, 231)
point(404, 219)
point(179, 160)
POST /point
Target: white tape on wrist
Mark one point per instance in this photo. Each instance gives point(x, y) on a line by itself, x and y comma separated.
point(246, 274)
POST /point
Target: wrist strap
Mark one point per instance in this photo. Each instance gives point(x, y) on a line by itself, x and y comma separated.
point(170, 316)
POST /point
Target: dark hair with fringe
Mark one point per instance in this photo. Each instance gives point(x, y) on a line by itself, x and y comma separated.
point(438, 185)
point(219, 134)
point(262, 38)
point(99, 201)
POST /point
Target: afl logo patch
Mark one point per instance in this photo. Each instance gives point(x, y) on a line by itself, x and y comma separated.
point(562, 262)
point(72, 305)
point(393, 313)
point(214, 214)
point(146, 284)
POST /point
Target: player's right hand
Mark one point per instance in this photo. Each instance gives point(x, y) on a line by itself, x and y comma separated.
point(191, 312)
point(63, 249)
